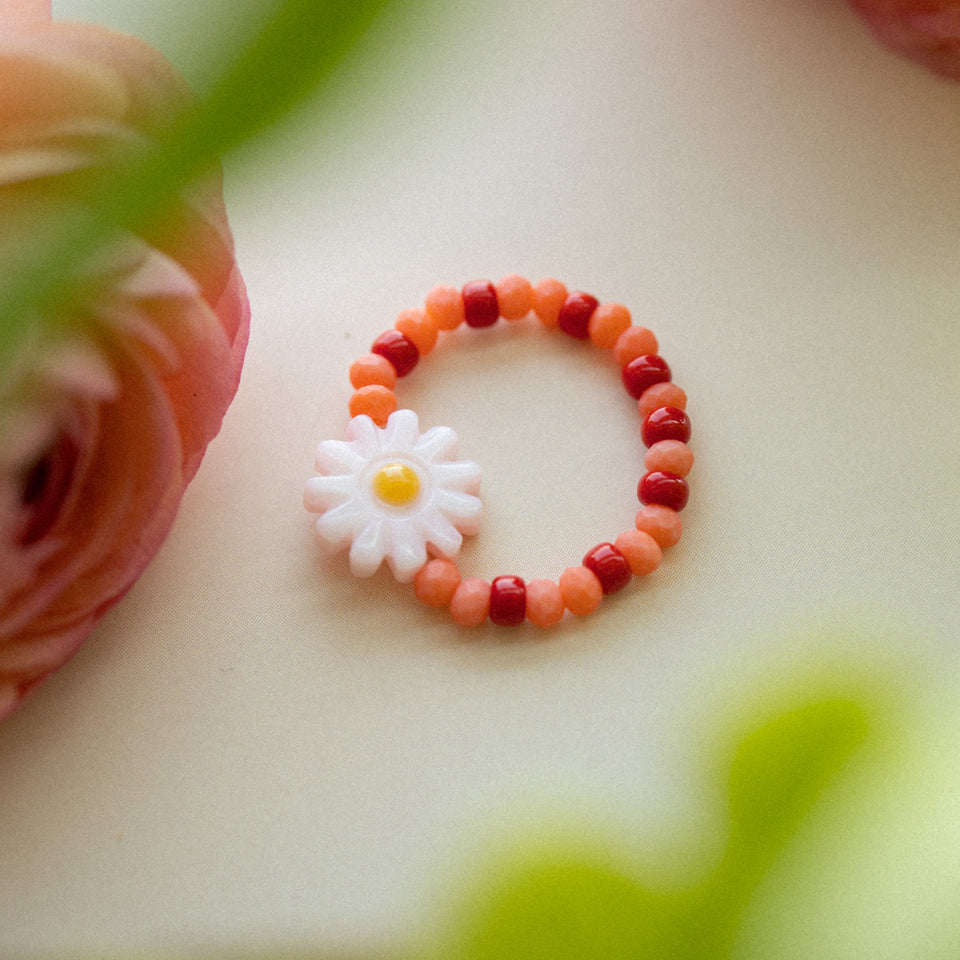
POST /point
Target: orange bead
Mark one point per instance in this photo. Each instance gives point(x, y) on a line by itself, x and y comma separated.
point(545, 605)
point(666, 394)
point(548, 297)
point(607, 323)
point(515, 296)
point(417, 326)
point(372, 369)
point(581, 590)
point(670, 456)
point(376, 401)
point(642, 552)
point(470, 604)
point(632, 343)
point(662, 523)
point(444, 305)
point(436, 582)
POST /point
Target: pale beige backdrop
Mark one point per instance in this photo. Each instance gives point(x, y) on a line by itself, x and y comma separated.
point(254, 747)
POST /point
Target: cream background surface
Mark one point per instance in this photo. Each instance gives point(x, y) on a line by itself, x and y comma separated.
point(254, 747)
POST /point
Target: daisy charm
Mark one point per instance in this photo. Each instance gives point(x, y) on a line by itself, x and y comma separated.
point(394, 494)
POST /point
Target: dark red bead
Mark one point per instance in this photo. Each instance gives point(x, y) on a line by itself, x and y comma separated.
point(609, 566)
point(665, 489)
point(666, 423)
point(644, 372)
point(480, 306)
point(396, 347)
point(508, 601)
point(575, 314)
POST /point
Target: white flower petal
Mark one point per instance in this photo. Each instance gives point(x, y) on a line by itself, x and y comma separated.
point(337, 527)
point(408, 552)
point(461, 509)
point(462, 475)
point(369, 548)
point(439, 534)
point(401, 432)
point(321, 493)
point(365, 436)
point(336, 456)
point(438, 443)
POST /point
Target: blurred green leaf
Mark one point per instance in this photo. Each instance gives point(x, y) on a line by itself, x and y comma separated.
point(298, 46)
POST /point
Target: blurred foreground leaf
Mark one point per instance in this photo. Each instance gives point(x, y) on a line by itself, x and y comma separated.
point(582, 908)
point(298, 46)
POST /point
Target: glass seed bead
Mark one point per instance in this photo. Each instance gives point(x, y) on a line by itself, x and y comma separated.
point(662, 523)
point(376, 401)
point(436, 582)
point(444, 305)
point(480, 307)
point(608, 322)
point(370, 369)
point(671, 456)
point(581, 590)
point(470, 603)
point(399, 349)
point(632, 343)
point(396, 484)
point(575, 314)
point(549, 296)
point(666, 489)
point(417, 326)
point(666, 394)
point(508, 601)
point(642, 552)
point(514, 296)
point(609, 566)
point(643, 372)
point(665, 423)
point(545, 605)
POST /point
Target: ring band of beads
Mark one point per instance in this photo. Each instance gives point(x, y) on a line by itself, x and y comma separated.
point(392, 494)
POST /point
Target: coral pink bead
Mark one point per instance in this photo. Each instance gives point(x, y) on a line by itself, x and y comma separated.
point(480, 307)
point(665, 423)
point(371, 369)
point(575, 314)
point(376, 401)
point(444, 305)
point(508, 601)
point(666, 394)
point(549, 296)
point(545, 605)
point(417, 326)
point(670, 456)
point(399, 349)
point(608, 322)
point(662, 523)
point(515, 296)
point(581, 590)
point(632, 343)
point(436, 582)
point(664, 488)
point(643, 372)
point(470, 604)
point(609, 566)
point(641, 551)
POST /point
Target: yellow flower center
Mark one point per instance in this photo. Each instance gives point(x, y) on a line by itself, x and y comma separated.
point(396, 484)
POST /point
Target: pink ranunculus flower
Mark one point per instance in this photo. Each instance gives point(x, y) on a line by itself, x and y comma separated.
point(927, 31)
point(103, 420)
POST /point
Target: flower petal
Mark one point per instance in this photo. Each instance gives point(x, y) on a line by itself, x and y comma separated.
point(438, 443)
point(338, 457)
point(337, 527)
point(369, 548)
point(401, 432)
point(439, 534)
point(321, 493)
point(408, 552)
point(462, 475)
point(461, 509)
point(365, 436)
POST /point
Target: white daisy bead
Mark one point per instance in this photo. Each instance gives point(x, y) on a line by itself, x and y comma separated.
point(394, 494)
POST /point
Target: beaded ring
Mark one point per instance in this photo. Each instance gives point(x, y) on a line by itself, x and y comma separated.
point(390, 493)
